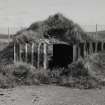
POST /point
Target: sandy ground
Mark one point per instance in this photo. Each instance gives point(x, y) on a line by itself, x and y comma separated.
point(51, 95)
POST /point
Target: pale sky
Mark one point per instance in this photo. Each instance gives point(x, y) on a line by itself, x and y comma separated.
point(21, 13)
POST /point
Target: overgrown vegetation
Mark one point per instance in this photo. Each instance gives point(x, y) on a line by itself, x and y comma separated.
point(21, 74)
point(75, 76)
point(56, 26)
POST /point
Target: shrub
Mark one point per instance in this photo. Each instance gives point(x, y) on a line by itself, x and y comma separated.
point(22, 74)
point(6, 81)
point(43, 75)
point(18, 74)
point(76, 75)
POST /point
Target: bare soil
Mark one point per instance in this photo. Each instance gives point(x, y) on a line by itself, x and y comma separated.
point(51, 95)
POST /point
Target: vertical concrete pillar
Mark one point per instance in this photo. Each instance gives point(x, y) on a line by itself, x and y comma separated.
point(85, 53)
point(26, 52)
point(102, 46)
point(32, 53)
point(74, 52)
point(78, 52)
point(45, 55)
point(92, 47)
point(20, 52)
point(14, 53)
point(38, 55)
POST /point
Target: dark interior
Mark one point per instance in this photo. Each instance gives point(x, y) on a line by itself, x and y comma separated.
point(99, 47)
point(94, 47)
point(81, 49)
point(62, 55)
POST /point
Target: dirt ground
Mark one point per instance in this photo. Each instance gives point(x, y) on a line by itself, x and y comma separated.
point(51, 95)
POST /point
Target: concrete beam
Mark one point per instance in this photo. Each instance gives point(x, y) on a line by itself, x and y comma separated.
point(45, 56)
point(84, 49)
point(32, 54)
point(74, 52)
point(90, 48)
point(78, 52)
point(38, 55)
point(102, 46)
point(14, 53)
point(20, 52)
point(26, 52)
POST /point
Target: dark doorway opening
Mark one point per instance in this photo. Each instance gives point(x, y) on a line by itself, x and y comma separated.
point(99, 47)
point(62, 55)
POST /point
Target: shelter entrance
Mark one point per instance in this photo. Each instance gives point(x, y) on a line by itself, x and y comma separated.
point(62, 55)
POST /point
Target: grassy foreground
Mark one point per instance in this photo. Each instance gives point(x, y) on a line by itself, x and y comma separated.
point(75, 76)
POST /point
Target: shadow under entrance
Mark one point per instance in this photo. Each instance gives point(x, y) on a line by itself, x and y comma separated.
point(62, 55)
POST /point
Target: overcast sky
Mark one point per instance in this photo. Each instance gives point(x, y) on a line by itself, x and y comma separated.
point(21, 13)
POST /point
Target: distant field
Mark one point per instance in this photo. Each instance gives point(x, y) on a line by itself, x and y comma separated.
point(4, 40)
point(3, 36)
point(100, 35)
point(3, 44)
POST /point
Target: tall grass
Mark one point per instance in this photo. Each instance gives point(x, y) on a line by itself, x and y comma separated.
point(25, 74)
